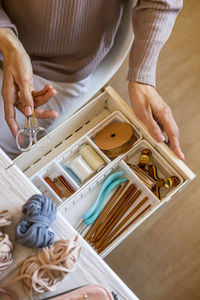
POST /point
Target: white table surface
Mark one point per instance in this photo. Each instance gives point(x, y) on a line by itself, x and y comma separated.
point(15, 189)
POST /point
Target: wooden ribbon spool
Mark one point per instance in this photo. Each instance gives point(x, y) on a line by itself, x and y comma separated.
point(115, 139)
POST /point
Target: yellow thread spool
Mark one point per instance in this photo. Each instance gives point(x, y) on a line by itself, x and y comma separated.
point(92, 158)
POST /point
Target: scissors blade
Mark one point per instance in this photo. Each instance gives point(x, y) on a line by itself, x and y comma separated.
point(28, 122)
point(33, 120)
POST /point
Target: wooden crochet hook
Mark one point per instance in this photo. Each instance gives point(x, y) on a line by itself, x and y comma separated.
point(105, 210)
point(116, 219)
point(117, 229)
point(116, 207)
point(101, 249)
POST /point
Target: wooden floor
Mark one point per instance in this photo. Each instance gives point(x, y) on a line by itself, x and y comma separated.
point(161, 259)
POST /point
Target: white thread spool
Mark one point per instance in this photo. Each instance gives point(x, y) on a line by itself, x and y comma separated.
point(80, 168)
point(92, 158)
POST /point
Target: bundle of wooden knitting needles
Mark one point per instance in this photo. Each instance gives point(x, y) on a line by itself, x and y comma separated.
point(117, 216)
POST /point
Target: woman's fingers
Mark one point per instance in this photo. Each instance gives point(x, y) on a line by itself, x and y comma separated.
point(153, 127)
point(172, 131)
point(175, 146)
point(40, 98)
point(43, 96)
point(41, 113)
point(10, 119)
point(26, 99)
point(151, 109)
point(9, 94)
point(41, 92)
point(46, 114)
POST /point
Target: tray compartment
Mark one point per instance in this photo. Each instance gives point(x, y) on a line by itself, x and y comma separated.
point(66, 159)
point(81, 202)
point(115, 117)
point(163, 168)
point(45, 189)
point(52, 171)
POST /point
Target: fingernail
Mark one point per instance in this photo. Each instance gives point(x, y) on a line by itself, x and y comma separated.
point(160, 137)
point(182, 156)
point(28, 111)
point(56, 115)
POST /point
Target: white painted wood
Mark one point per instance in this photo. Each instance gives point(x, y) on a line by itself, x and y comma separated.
point(5, 161)
point(15, 189)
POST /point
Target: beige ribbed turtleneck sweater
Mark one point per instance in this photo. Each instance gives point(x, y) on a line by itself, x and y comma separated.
point(67, 39)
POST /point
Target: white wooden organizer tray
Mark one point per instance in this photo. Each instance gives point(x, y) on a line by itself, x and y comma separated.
point(80, 129)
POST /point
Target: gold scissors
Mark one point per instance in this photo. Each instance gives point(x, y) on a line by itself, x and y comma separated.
point(26, 137)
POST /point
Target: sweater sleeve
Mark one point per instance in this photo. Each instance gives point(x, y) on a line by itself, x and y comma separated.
point(5, 21)
point(153, 21)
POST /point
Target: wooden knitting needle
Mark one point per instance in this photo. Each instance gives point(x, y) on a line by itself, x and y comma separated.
point(123, 222)
point(113, 210)
point(104, 211)
point(116, 219)
point(101, 215)
point(113, 214)
point(122, 231)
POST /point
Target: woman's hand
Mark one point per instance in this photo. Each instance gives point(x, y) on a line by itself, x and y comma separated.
point(151, 109)
point(17, 88)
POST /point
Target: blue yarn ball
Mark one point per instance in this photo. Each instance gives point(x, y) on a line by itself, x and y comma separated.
point(38, 214)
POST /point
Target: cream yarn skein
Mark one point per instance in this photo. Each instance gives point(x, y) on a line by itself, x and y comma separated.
point(5, 243)
point(41, 272)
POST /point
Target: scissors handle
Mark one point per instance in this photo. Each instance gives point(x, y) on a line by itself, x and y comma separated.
point(41, 132)
point(95, 215)
point(106, 183)
point(24, 134)
point(30, 135)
